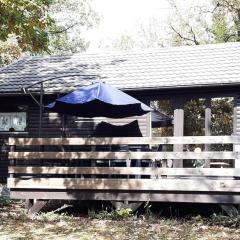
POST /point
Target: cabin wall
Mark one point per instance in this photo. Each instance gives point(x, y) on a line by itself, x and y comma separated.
point(3, 159)
point(53, 125)
point(8, 104)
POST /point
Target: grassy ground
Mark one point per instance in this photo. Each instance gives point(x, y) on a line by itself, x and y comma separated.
point(14, 224)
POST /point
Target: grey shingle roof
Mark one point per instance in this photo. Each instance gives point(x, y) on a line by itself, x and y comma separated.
point(191, 66)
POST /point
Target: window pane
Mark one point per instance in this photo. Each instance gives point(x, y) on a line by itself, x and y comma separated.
point(14, 121)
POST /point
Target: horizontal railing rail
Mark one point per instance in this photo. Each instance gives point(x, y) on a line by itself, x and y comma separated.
point(224, 172)
point(124, 140)
point(139, 166)
point(210, 185)
point(123, 155)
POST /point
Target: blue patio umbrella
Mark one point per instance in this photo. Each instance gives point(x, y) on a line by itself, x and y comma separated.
point(159, 119)
point(98, 100)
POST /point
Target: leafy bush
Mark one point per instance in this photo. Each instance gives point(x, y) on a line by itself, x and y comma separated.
point(122, 213)
point(226, 221)
point(4, 196)
point(218, 220)
point(103, 214)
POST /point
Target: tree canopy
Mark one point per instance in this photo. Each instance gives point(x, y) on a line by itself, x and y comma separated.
point(72, 17)
point(9, 50)
point(43, 26)
point(28, 21)
point(212, 21)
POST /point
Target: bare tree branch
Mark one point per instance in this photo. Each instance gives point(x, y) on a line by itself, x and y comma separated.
point(194, 40)
point(207, 11)
point(64, 29)
point(194, 36)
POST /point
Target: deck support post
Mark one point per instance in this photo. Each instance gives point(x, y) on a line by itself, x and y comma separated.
point(36, 207)
point(28, 204)
point(208, 116)
point(230, 210)
point(133, 205)
point(178, 129)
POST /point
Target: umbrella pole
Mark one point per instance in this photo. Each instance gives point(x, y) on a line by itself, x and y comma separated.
point(63, 125)
point(40, 111)
point(150, 125)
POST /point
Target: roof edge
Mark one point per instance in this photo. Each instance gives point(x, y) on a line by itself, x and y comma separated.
point(112, 51)
point(134, 89)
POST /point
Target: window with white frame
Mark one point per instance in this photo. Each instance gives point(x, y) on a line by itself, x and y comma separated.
point(13, 121)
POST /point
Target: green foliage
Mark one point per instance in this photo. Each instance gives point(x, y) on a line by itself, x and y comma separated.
point(218, 220)
point(226, 20)
point(5, 201)
point(5, 196)
point(43, 26)
point(189, 24)
point(194, 117)
point(198, 163)
point(166, 107)
point(72, 17)
point(122, 213)
point(222, 116)
point(28, 20)
point(124, 42)
point(220, 29)
point(226, 221)
point(147, 36)
point(9, 51)
point(205, 22)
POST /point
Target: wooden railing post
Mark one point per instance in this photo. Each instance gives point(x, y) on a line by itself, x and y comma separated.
point(208, 120)
point(12, 161)
point(237, 151)
point(178, 130)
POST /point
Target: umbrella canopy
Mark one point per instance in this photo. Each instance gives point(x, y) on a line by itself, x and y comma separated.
point(105, 129)
point(98, 100)
point(160, 120)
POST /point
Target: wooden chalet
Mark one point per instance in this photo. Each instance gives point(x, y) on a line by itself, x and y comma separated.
point(77, 165)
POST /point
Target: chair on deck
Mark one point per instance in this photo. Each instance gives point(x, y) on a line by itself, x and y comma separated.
point(105, 129)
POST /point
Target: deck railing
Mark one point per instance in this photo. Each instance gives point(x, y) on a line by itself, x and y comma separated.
point(120, 169)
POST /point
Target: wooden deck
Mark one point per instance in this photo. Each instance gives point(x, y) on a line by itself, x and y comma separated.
point(129, 169)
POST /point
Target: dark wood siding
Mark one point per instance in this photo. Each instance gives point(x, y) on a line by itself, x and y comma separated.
point(85, 127)
point(3, 158)
point(52, 125)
